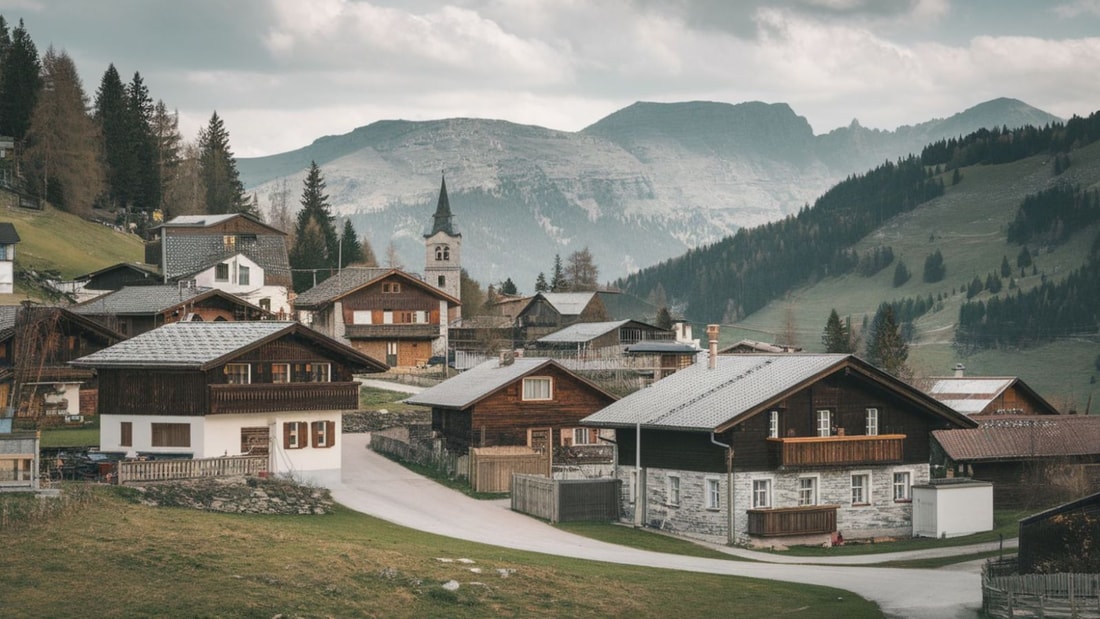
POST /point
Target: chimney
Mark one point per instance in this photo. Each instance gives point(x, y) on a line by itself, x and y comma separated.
point(960, 370)
point(507, 357)
point(712, 339)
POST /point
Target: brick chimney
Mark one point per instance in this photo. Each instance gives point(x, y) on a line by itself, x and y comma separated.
point(960, 370)
point(712, 340)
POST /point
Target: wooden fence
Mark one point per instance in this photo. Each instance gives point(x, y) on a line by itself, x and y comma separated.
point(566, 500)
point(444, 461)
point(164, 470)
point(491, 468)
point(1047, 596)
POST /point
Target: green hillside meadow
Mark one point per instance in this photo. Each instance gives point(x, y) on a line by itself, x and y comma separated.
point(968, 225)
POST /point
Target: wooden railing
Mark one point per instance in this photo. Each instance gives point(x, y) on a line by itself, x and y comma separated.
point(268, 397)
point(391, 330)
point(162, 470)
point(807, 520)
point(838, 450)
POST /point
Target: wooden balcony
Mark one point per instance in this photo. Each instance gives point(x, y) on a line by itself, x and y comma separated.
point(813, 451)
point(267, 397)
point(806, 520)
point(400, 331)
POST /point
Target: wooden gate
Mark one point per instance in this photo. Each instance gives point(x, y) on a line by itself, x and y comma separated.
point(542, 441)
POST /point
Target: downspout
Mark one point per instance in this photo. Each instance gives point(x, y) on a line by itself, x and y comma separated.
point(730, 537)
point(639, 480)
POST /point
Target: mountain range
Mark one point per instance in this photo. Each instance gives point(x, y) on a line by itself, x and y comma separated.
point(639, 186)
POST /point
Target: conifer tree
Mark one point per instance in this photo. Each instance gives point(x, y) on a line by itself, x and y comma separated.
point(664, 318)
point(218, 170)
point(508, 287)
point(540, 283)
point(20, 83)
point(886, 348)
point(1006, 268)
point(110, 113)
point(901, 274)
point(143, 173)
point(557, 276)
point(836, 337)
point(351, 250)
point(311, 260)
point(168, 145)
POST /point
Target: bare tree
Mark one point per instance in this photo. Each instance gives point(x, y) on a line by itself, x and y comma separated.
point(393, 260)
point(581, 271)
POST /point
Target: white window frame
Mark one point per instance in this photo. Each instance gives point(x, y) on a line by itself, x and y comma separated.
point(865, 488)
point(244, 275)
point(361, 317)
point(326, 375)
point(815, 483)
point(673, 490)
point(247, 373)
point(762, 493)
point(320, 428)
point(530, 394)
point(712, 491)
point(286, 373)
point(294, 435)
point(773, 424)
point(824, 422)
point(872, 422)
point(585, 436)
point(905, 485)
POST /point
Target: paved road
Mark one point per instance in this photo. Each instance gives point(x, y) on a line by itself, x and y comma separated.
point(376, 486)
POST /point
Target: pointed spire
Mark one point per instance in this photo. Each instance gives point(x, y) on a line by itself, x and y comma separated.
point(441, 221)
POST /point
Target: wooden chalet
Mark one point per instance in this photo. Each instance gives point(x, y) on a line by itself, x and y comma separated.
point(36, 344)
point(133, 310)
point(116, 276)
point(548, 312)
point(752, 346)
point(1032, 460)
point(594, 338)
point(386, 313)
point(787, 447)
point(989, 395)
point(657, 360)
point(513, 402)
point(208, 389)
point(1062, 539)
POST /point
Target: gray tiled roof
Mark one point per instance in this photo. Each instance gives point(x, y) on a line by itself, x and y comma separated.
point(582, 332)
point(569, 303)
point(142, 300)
point(699, 398)
point(184, 344)
point(8, 235)
point(187, 254)
point(475, 383)
point(338, 285)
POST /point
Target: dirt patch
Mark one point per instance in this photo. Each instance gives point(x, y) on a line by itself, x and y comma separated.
point(238, 495)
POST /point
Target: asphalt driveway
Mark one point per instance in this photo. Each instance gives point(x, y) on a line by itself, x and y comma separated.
point(376, 486)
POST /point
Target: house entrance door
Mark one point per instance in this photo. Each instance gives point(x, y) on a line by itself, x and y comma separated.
point(391, 354)
point(541, 440)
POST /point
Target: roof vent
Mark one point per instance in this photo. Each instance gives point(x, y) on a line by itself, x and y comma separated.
point(960, 370)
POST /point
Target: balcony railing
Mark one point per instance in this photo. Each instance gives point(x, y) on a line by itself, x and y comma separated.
point(806, 520)
point(268, 397)
point(838, 450)
point(391, 331)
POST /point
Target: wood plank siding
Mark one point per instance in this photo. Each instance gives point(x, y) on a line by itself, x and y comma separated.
point(806, 520)
point(837, 450)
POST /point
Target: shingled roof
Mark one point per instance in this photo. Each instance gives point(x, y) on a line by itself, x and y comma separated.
point(187, 254)
point(353, 278)
point(8, 235)
point(477, 383)
point(149, 300)
point(1013, 437)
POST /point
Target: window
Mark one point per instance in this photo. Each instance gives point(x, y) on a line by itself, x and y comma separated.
point(324, 433)
point(902, 484)
point(673, 489)
point(442, 253)
point(761, 493)
point(714, 493)
point(238, 373)
point(229, 241)
point(265, 304)
point(773, 424)
point(295, 435)
point(825, 423)
point(221, 272)
point(242, 275)
point(171, 434)
point(441, 281)
point(126, 434)
point(280, 372)
point(861, 489)
point(584, 436)
point(537, 388)
point(319, 372)
point(361, 317)
point(807, 491)
point(391, 287)
point(872, 422)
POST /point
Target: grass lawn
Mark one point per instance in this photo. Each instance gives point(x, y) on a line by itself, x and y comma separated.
point(372, 398)
point(53, 239)
point(86, 435)
point(642, 540)
point(120, 559)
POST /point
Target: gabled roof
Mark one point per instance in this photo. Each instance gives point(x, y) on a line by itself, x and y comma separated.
point(972, 394)
point(352, 279)
point(150, 300)
point(204, 345)
point(583, 332)
point(479, 382)
point(755, 346)
point(1085, 501)
point(8, 235)
point(137, 267)
point(1013, 437)
point(565, 303)
point(699, 398)
point(207, 221)
point(10, 313)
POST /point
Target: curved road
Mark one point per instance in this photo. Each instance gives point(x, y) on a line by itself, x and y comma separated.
point(376, 486)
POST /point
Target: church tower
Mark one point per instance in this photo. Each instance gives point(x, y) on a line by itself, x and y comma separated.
point(443, 263)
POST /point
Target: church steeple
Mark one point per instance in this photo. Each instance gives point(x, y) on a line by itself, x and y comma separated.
point(442, 219)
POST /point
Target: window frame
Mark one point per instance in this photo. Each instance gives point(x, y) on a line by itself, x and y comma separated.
point(762, 493)
point(864, 488)
point(906, 485)
point(126, 434)
point(826, 415)
point(229, 375)
point(221, 272)
point(244, 275)
point(773, 424)
point(286, 375)
point(871, 422)
point(312, 368)
point(391, 287)
point(323, 434)
point(170, 434)
point(813, 489)
point(673, 490)
point(528, 395)
point(295, 435)
point(712, 493)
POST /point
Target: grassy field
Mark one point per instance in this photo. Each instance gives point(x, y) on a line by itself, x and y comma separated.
point(372, 398)
point(968, 225)
point(52, 239)
point(642, 539)
point(119, 559)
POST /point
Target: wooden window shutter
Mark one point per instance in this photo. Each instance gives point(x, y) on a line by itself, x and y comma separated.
point(287, 429)
point(330, 432)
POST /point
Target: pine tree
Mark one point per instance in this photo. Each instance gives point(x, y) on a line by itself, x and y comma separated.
point(218, 170)
point(934, 269)
point(1006, 268)
point(110, 113)
point(887, 349)
point(168, 146)
point(664, 318)
point(901, 274)
point(557, 276)
point(62, 155)
point(836, 337)
point(1023, 259)
point(143, 173)
point(308, 262)
point(540, 283)
point(306, 253)
point(350, 248)
point(20, 83)
point(508, 287)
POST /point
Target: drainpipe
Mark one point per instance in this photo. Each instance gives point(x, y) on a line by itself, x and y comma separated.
point(730, 536)
point(639, 492)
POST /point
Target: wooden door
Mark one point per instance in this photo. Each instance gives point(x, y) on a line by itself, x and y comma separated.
point(542, 441)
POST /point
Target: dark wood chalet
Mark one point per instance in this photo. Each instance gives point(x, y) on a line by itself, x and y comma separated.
point(592, 338)
point(813, 445)
point(547, 312)
point(989, 395)
point(117, 276)
point(499, 403)
point(36, 345)
point(386, 313)
point(133, 310)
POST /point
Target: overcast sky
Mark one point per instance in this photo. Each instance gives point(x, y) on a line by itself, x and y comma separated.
point(282, 73)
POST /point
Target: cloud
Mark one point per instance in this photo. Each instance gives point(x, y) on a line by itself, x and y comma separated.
point(1070, 10)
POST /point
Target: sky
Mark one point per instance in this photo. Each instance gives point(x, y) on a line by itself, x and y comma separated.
point(282, 73)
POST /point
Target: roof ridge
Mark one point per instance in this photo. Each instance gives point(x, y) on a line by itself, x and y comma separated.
point(710, 391)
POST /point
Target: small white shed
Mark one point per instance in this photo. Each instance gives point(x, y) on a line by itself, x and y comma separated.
point(952, 507)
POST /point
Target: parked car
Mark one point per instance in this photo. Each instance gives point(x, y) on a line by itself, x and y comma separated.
point(440, 360)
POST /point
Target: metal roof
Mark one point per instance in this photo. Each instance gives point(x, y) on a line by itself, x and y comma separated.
point(199, 221)
point(669, 348)
point(467, 388)
point(700, 398)
point(990, 387)
point(1013, 437)
point(972, 395)
point(582, 332)
point(568, 303)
